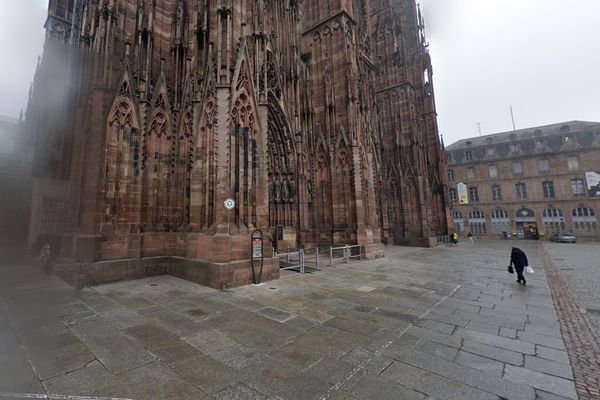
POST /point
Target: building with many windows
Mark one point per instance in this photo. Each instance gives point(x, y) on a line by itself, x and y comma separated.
point(529, 183)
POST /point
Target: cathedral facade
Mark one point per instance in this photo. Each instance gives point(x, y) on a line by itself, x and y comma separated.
point(316, 117)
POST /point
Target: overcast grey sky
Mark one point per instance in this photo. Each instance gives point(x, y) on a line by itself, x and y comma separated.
point(540, 56)
point(21, 41)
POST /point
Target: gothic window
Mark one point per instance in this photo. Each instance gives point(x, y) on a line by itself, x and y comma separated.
point(120, 163)
point(158, 177)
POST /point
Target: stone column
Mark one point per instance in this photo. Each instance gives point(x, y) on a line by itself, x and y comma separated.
point(223, 217)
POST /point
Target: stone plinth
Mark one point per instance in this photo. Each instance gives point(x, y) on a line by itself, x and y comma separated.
point(415, 241)
point(215, 275)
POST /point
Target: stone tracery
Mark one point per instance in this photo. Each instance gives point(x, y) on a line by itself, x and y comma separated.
point(317, 118)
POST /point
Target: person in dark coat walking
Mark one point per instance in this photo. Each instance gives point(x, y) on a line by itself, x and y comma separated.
point(519, 260)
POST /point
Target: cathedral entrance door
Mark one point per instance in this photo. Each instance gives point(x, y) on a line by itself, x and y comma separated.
point(283, 178)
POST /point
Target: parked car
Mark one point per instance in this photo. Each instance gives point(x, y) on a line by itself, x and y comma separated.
point(564, 238)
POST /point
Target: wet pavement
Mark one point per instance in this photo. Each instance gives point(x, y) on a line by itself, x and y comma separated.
point(579, 265)
point(572, 276)
point(444, 323)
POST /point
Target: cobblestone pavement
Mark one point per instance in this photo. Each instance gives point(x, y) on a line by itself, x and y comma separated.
point(570, 300)
point(444, 323)
point(579, 265)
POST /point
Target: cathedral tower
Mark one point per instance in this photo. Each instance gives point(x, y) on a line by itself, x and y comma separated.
point(316, 117)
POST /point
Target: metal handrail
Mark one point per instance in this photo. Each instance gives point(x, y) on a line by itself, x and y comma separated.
point(287, 254)
point(347, 254)
point(443, 239)
point(314, 256)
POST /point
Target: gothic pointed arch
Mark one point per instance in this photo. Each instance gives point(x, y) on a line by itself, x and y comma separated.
point(322, 144)
point(244, 134)
point(283, 163)
point(342, 137)
point(125, 86)
point(243, 104)
point(204, 167)
point(184, 160)
point(159, 154)
point(121, 161)
point(274, 84)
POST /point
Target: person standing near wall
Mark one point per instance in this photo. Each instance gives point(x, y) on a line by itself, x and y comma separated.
point(45, 259)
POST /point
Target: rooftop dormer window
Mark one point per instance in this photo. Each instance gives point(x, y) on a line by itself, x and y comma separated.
point(540, 145)
point(468, 155)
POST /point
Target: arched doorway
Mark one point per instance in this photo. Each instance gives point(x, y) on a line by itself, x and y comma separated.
point(282, 158)
point(526, 224)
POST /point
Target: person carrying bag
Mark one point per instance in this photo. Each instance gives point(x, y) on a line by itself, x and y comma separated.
point(519, 260)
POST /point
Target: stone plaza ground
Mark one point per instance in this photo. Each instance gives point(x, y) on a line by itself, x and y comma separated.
point(442, 323)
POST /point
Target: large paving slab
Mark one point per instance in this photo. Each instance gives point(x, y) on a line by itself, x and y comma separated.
point(442, 323)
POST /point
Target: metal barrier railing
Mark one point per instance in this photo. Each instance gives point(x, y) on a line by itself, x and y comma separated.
point(346, 253)
point(312, 258)
point(291, 259)
point(443, 239)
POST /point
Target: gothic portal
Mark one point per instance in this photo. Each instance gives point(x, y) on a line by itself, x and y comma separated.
point(316, 116)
